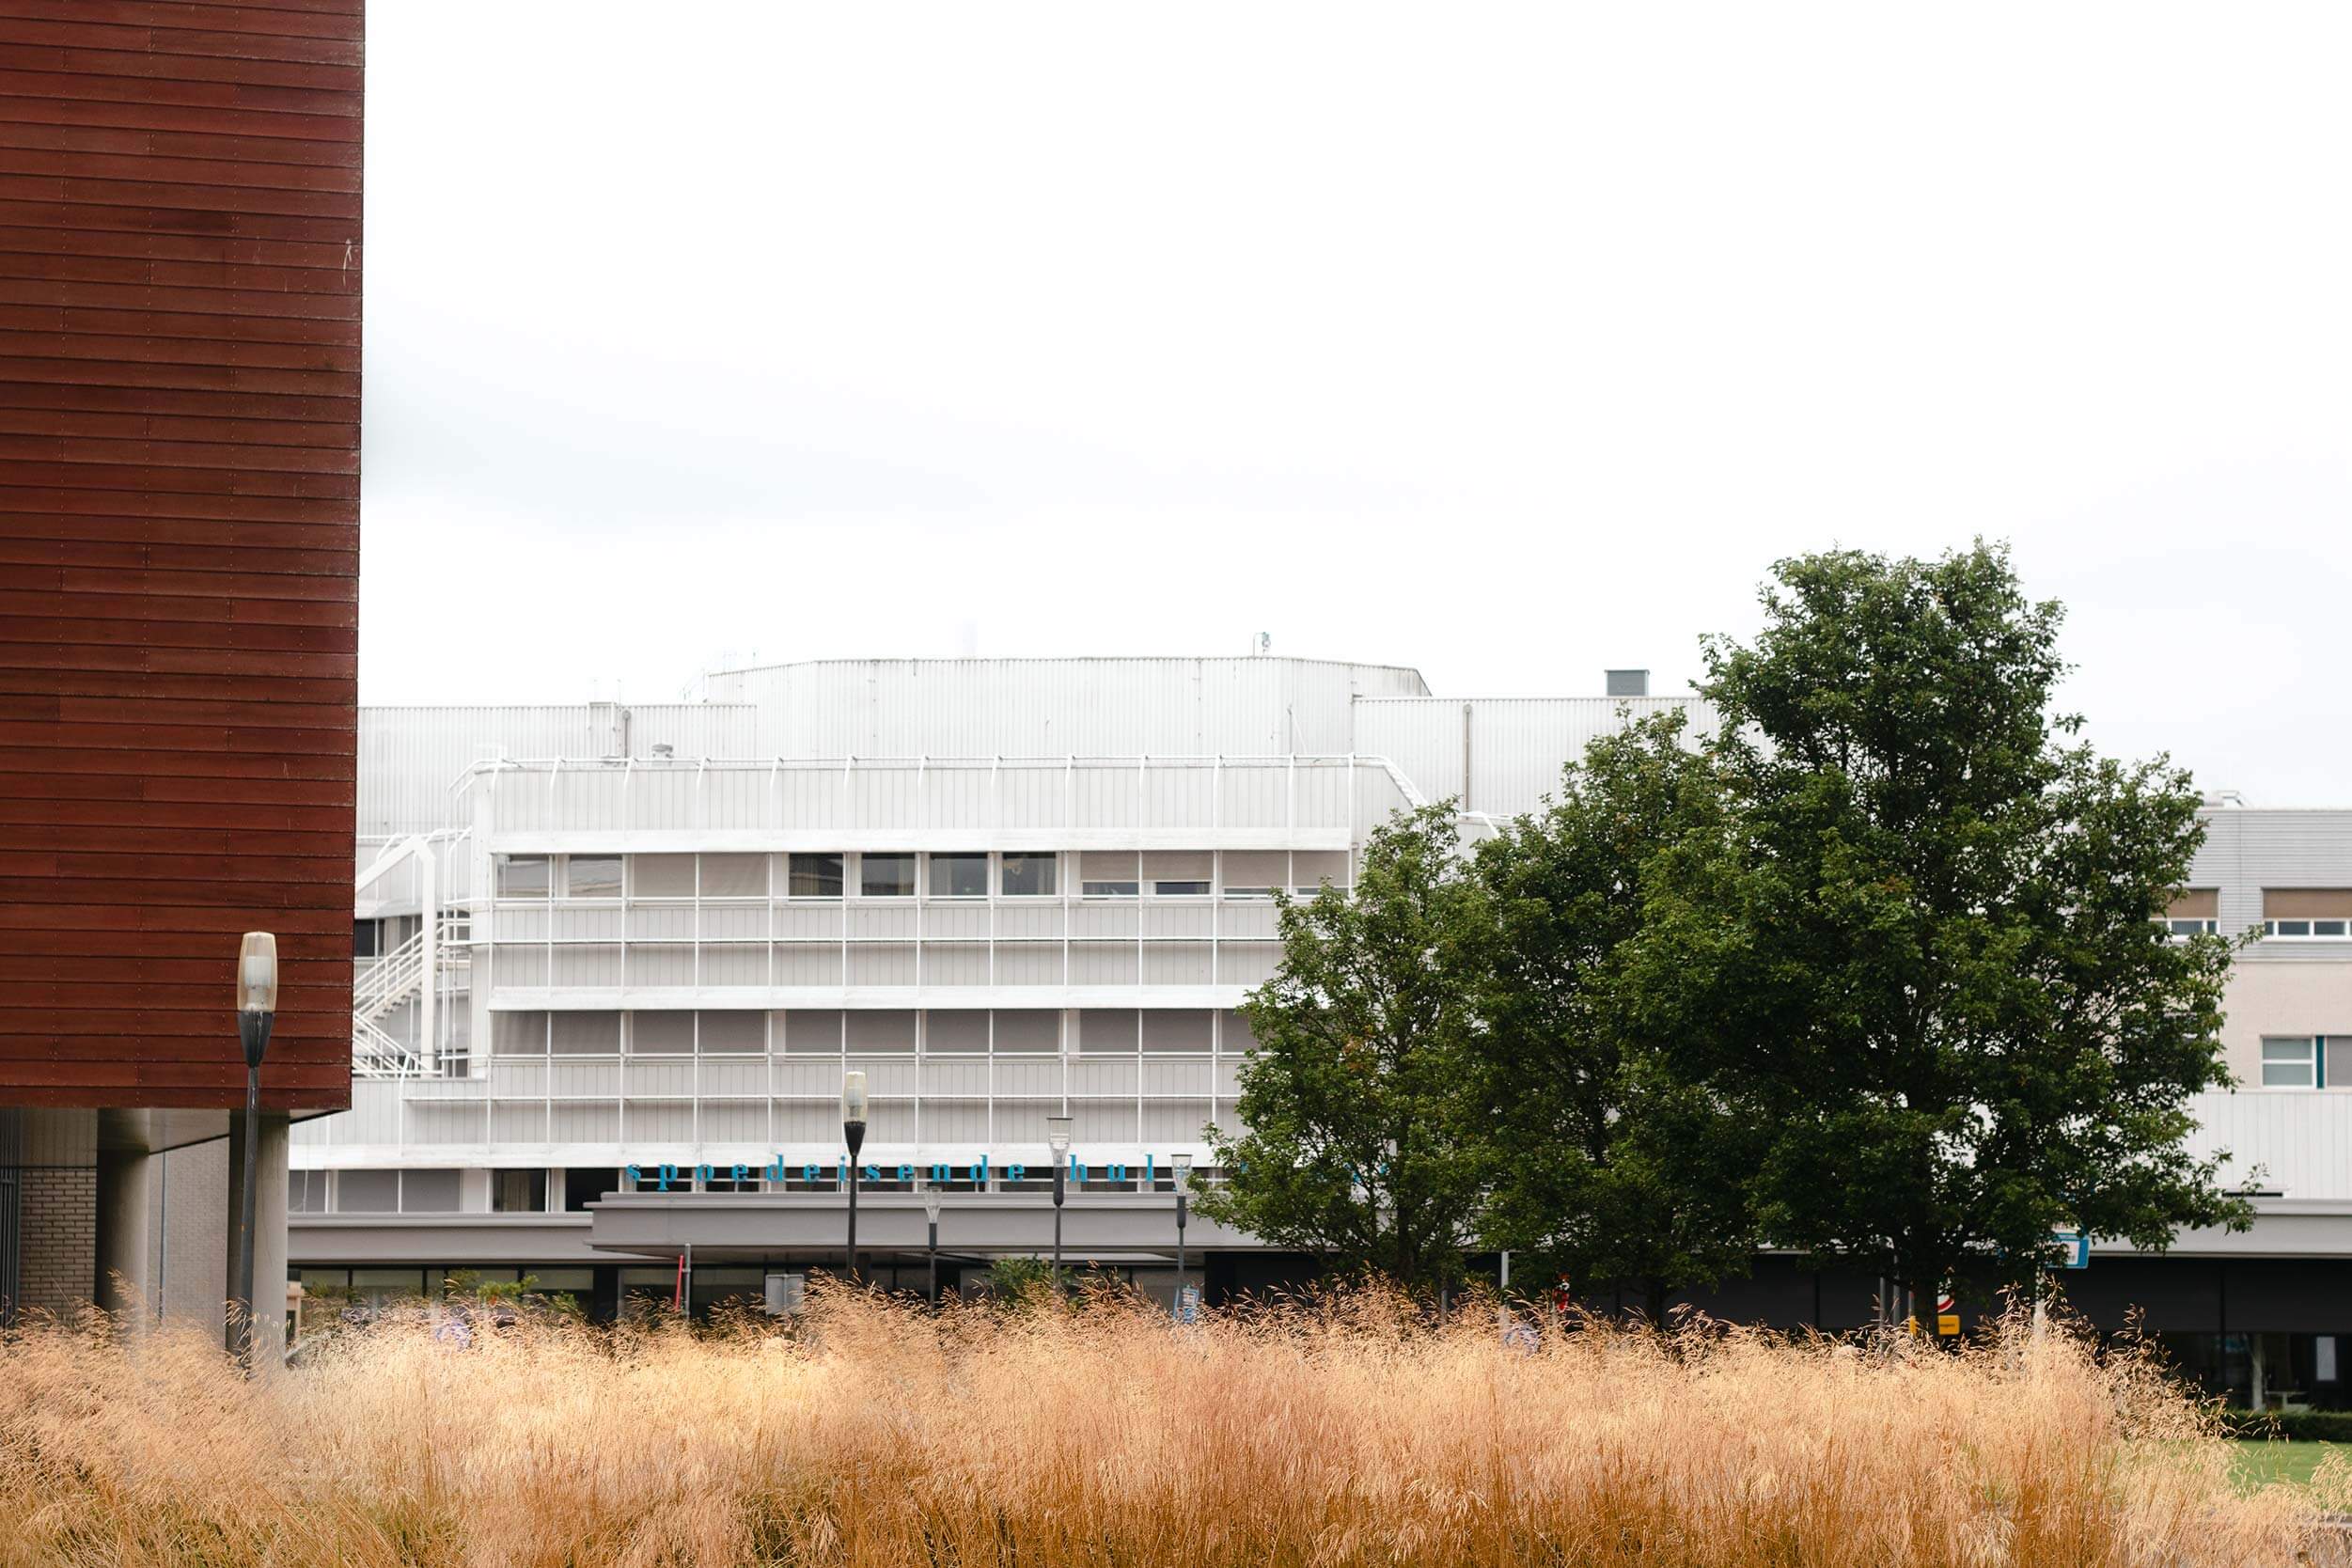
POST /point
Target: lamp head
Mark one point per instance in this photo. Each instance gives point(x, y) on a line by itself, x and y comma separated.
point(931, 1205)
point(854, 1099)
point(1182, 1165)
point(257, 973)
point(1057, 1135)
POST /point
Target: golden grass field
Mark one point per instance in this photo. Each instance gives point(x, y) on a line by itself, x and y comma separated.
point(1346, 1433)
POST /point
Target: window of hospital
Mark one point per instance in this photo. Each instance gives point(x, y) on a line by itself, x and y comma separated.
point(1108, 874)
point(731, 1032)
point(519, 1192)
point(955, 1031)
point(367, 1192)
point(1255, 874)
point(593, 876)
point(881, 1029)
point(305, 1192)
point(814, 876)
point(2290, 1063)
point(660, 1034)
point(959, 876)
point(1026, 1031)
point(2193, 912)
point(585, 1034)
point(734, 876)
point(662, 876)
point(1178, 873)
point(518, 1034)
point(1029, 876)
point(885, 876)
point(2313, 914)
point(582, 1187)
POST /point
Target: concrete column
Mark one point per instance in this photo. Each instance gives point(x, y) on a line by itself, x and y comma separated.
point(193, 1234)
point(125, 1239)
point(269, 1232)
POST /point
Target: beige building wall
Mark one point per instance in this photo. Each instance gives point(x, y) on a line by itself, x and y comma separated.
point(2272, 998)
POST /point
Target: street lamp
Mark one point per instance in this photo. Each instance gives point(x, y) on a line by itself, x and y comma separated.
point(931, 1211)
point(853, 1132)
point(257, 1010)
point(1182, 1164)
point(1058, 1140)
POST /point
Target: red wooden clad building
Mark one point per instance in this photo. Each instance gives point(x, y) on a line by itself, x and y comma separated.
point(180, 359)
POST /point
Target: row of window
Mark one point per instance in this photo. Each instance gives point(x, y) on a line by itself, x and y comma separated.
point(527, 1191)
point(438, 1192)
point(939, 967)
point(328, 1288)
point(2298, 914)
point(2338, 928)
point(904, 875)
point(2322, 929)
point(837, 1031)
point(2306, 1062)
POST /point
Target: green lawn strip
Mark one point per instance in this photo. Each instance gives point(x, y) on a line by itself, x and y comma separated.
point(2260, 1463)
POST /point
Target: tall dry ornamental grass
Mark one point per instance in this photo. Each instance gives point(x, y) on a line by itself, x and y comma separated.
point(1343, 1433)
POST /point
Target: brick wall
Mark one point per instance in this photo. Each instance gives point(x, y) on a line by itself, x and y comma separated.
point(59, 1236)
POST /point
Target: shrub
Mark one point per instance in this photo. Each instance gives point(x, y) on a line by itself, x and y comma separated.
point(2294, 1426)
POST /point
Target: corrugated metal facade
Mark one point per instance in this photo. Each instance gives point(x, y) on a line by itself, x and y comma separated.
point(1055, 707)
point(1513, 748)
point(2247, 849)
point(2298, 1143)
point(178, 539)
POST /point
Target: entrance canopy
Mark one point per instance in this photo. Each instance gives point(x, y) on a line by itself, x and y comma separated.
point(1098, 1229)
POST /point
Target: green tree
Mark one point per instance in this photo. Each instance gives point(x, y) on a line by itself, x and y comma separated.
point(1602, 1164)
point(1356, 1108)
point(1921, 951)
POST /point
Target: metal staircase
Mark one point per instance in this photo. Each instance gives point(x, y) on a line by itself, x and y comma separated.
point(433, 967)
point(399, 978)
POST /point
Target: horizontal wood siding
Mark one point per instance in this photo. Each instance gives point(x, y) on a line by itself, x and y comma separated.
point(179, 311)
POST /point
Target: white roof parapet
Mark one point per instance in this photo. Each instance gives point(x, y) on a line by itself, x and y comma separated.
point(918, 803)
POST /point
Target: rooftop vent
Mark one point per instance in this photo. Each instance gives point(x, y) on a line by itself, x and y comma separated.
point(1628, 683)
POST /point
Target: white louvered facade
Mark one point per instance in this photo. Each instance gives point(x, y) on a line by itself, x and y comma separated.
point(1080, 858)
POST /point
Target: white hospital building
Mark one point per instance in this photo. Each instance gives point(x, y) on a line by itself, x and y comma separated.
point(614, 962)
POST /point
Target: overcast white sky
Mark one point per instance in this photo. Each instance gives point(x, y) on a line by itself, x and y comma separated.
point(1507, 343)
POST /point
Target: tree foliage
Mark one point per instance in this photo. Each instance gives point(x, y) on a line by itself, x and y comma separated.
point(1921, 948)
point(1874, 971)
point(1603, 1164)
point(1355, 1145)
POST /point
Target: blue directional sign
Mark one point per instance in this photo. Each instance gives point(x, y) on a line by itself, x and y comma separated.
point(2077, 1248)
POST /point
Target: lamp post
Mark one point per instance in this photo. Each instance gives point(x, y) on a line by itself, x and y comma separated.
point(1058, 1140)
point(853, 1133)
point(1182, 1164)
point(931, 1212)
point(257, 1010)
